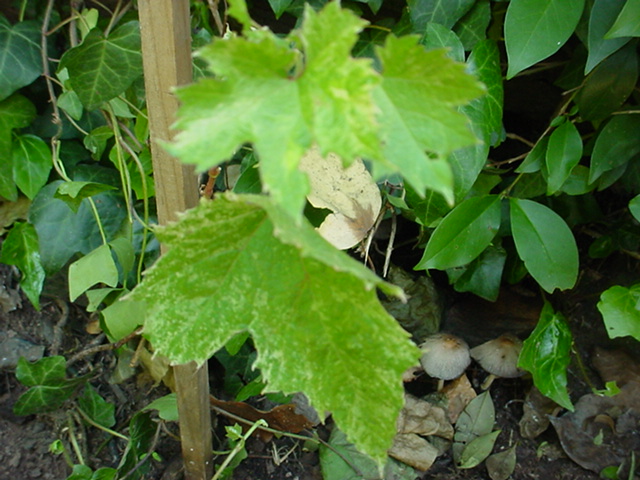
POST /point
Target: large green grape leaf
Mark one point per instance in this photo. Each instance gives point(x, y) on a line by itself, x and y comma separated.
point(20, 60)
point(420, 124)
point(240, 263)
point(101, 68)
point(284, 99)
point(260, 97)
point(536, 29)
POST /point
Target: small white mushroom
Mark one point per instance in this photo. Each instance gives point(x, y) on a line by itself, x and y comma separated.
point(444, 356)
point(499, 357)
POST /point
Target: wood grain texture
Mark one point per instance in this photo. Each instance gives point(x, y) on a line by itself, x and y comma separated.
point(166, 50)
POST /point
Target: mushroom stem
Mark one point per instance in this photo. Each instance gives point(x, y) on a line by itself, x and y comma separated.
point(440, 384)
point(488, 381)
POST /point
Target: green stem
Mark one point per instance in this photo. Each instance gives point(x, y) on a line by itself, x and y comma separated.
point(90, 421)
point(74, 440)
point(239, 446)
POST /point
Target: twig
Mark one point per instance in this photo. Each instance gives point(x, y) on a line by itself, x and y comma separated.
point(103, 348)
point(392, 237)
point(313, 438)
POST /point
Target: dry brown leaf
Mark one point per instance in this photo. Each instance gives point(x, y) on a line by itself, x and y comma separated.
point(350, 193)
point(423, 418)
point(535, 418)
point(413, 450)
point(458, 393)
point(283, 417)
point(586, 434)
point(157, 367)
point(616, 366)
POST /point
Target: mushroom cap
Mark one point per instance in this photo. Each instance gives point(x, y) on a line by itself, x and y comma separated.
point(444, 356)
point(499, 356)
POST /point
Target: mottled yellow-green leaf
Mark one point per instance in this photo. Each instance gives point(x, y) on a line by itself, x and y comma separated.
point(241, 263)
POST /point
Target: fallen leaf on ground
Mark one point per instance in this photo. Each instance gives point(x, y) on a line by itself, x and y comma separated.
point(616, 366)
point(501, 465)
point(282, 417)
point(536, 411)
point(459, 394)
point(350, 193)
point(413, 450)
point(587, 436)
point(423, 418)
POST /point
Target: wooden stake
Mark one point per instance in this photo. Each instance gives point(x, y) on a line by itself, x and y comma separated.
point(166, 51)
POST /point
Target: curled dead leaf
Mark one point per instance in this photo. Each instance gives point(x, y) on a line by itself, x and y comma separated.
point(413, 450)
point(536, 411)
point(350, 193)
point(283, 417)
point(423, 418)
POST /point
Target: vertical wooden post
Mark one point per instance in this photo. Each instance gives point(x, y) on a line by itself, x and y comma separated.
point(166, 50)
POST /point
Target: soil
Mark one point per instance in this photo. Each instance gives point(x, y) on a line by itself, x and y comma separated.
point(24, 451)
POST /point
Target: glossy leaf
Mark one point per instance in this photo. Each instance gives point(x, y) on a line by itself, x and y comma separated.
point(279, 6)
point(463, 234)
point(485, 114)
point(32, 163)
point(20, 248)
point(49, 387)
point(564, 151)
point(444, 12)
point(437, 36)
point(472, 28)
point(535, 159)
point(101, 68)
point(483, 276)
point(546, 355)
point(313, 313)
point(96, 407)
point(95, 267)
point(15, 112)
point(620, 308)
point(20, 60)
point(609, 84)
point(617, 143)
point(166, 406)
point(628, 22)
point(72, 193)
point(545, 243)
point(62, 232)
point(536, 29)
point(603, 14)
point(634, 207)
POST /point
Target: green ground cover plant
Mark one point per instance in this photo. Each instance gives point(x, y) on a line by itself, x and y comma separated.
point(416, 90)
